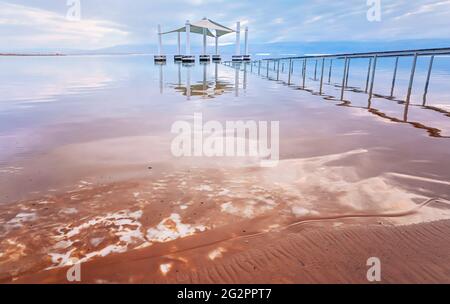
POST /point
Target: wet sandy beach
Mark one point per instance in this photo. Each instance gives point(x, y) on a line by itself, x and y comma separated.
point(313, 254)
point(176, 232)
point(95, 182)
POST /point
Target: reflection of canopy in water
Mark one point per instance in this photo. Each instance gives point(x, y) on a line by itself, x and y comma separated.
point(208, 89)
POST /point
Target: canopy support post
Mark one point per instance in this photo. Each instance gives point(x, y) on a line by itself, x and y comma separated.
point(216, 57)
point(238, 57)
point(246, 55)
point(204, 41)
point(160, 58)
point(217, 45)
point(204, 57)
point(188, 58)
point(238, 38)
point(188, 41)
point(178, 57)
point(179, 43)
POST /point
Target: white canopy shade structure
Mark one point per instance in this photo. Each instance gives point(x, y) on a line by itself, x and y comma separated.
point(194, 29)
point(219, 30)
point(211, 25)
point(205, 27)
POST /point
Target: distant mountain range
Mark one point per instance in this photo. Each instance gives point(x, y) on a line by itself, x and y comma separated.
point(260, 49)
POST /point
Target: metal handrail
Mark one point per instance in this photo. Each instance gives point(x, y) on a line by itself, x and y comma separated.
point(373, 58)
point(380, 54)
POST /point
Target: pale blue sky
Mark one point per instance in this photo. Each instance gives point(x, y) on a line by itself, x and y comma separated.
point(42, 23)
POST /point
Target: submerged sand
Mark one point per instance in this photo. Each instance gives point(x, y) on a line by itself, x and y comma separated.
point(315, 254)
point(306, 221)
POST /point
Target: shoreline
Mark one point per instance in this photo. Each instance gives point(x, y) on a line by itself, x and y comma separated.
point(30, 55)
point(65, 55)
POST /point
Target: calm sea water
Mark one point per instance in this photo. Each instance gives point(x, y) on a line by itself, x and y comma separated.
point(63, 119)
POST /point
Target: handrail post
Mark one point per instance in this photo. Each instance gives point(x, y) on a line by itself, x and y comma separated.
point(292, 68)
point(289, 72)
point(411, 79)
point(278, 70)
point(348, 72)
point(305, 62)
point(375, 58)
point(244, 85)
point(427, 83)
point(321, 77)
point(315, 71)
point(394, 78)
point(405, 113)
point(267, 74)
point(368, 75)
point(259, 68)
point(303, 67)
point(343, 79)
point(329, 72)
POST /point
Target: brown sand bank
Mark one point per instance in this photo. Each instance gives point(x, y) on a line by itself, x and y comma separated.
point(308, 220)
point(314, 253)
